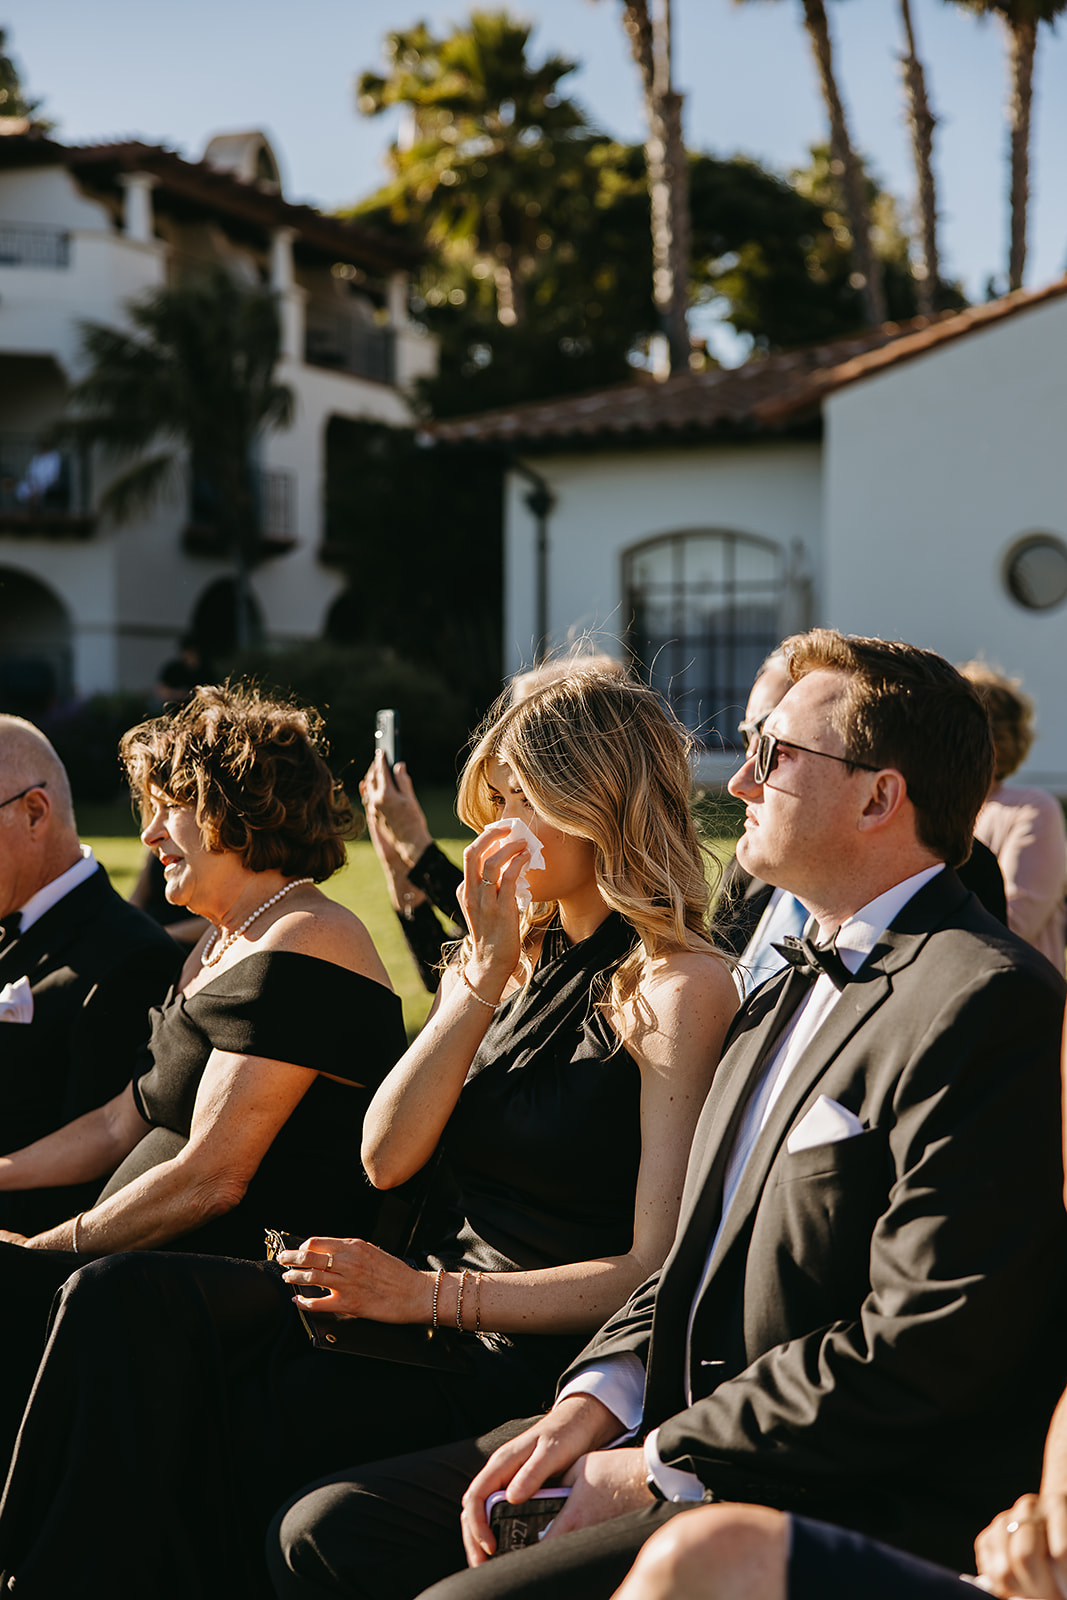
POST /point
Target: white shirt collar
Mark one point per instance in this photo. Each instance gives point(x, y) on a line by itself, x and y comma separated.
point(54, 892)
point(858, 934)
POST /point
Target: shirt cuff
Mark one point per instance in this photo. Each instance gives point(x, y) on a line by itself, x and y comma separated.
point(674, 1485)
point(618, 1383)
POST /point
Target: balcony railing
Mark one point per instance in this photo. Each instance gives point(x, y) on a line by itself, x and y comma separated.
point(205, 536)
point(43, 489)
point(334, 339)
point(24, 245)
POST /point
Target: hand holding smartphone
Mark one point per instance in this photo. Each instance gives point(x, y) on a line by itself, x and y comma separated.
point(515, 1527)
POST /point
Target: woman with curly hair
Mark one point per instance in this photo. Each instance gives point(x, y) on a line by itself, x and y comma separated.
point(556, 1087)
point(252, 1090)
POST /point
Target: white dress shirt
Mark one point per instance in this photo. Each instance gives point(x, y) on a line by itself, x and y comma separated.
point(58, 889)
point(619, 1381)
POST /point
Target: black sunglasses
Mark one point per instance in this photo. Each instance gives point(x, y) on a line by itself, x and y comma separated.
point(766, 756)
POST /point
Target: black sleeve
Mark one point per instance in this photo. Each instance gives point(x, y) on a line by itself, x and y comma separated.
point(426, 939)
point(438, 878)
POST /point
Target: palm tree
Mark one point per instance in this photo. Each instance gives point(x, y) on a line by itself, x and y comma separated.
point(1021, 20)
point(188, 393)
point(921, 122)
point(479, 160)
point(668, 175)
point(845, 165)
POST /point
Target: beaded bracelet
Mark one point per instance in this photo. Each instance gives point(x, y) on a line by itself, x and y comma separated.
point(478, 1305)
point(464, 1275)
point(492, 1004)
point(438, 1275)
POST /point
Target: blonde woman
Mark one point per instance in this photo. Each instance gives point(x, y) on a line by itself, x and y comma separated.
point(556, 1085)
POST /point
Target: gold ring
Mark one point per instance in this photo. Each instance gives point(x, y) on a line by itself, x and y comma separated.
point(329, 1261)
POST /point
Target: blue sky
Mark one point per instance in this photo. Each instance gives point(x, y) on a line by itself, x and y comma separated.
point(175, 74)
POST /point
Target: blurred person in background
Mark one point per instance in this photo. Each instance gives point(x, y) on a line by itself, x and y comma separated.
point(1023, 827)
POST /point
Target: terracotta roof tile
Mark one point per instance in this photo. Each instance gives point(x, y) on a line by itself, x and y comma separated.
point(766, 394)
point(214, 187)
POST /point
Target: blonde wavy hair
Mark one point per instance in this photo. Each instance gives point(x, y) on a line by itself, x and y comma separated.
point(600, 757)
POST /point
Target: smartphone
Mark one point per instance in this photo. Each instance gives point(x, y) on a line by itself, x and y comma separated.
point(386, 737)
point(514, 1527)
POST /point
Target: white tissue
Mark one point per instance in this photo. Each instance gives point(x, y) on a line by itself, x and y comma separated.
point(519, 830)
point(16, 1001)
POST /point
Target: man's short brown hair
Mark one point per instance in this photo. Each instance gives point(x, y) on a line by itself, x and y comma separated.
point(910, 709)
point(253, 771)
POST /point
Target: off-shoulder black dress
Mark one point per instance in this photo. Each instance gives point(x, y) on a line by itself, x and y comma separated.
point(280, 1005)
point(539, 1165)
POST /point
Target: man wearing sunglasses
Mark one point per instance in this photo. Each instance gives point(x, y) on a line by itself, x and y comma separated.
point(860, 1317)
point(79, 969)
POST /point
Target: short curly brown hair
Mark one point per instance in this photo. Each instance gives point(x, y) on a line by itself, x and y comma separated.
point(1011, 714)
point(253, 770)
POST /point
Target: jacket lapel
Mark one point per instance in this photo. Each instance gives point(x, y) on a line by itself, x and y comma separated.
point(897, 947)
point(41, 944)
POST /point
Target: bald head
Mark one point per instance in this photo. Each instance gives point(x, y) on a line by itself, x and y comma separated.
point(38, 835)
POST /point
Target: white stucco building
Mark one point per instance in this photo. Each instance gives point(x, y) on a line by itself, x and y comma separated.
point(88, 606)
point(908, 483)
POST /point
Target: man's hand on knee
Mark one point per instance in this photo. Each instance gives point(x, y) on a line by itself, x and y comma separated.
point(603, 1484)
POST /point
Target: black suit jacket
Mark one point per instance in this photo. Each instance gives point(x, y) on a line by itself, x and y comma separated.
point(96, 965)
point(879, 1340)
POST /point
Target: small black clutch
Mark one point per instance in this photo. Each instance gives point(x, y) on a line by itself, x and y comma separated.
point(407, 1342)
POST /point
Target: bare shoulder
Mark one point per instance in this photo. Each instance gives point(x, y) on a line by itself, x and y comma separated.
point(680, 1010)
point(689, 977)
point(318, 926)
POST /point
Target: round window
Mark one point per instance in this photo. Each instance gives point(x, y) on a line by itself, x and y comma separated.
point(1035, 571)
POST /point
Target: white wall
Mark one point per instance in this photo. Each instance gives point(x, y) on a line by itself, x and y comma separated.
point(611, 500)
point(933, 470)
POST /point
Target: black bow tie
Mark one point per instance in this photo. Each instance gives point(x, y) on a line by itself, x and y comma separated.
point(10, 930)
point(811, 959)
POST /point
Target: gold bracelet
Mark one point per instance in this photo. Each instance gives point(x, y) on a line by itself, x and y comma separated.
point(478, 1305)
point(492, 1004)
point(464, 1275)
point(74, 1233)
point(438, 1275)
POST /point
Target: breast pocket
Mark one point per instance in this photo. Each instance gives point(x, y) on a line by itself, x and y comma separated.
point(809, 1263)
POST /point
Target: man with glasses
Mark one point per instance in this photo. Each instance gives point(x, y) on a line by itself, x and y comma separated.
point(860, 1317)
point(752, 917)
point(79, 970)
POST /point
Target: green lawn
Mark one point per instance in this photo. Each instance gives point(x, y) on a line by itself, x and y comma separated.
point(112, 832)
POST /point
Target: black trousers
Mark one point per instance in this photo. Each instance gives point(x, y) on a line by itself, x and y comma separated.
point(390, 1530)
point(178, 1403)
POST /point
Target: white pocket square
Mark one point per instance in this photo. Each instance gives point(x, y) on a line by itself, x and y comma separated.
point(825, 1123)
point(16, 1001)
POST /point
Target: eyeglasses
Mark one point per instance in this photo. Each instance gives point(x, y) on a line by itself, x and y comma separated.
point(750, 730)
point(21, 793)
point(766, 756)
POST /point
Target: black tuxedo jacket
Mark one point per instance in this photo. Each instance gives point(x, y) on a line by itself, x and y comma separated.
point(96, 965)
point(878, 1342)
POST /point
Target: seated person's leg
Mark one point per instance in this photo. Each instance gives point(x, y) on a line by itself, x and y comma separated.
point(827, 1563)
point(386, 1529)
point(721, 1552)
point(740, 1552)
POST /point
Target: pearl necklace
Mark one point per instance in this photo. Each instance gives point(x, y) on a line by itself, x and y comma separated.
point(214, 947)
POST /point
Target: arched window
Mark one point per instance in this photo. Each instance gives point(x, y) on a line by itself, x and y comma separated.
point(704, 611)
